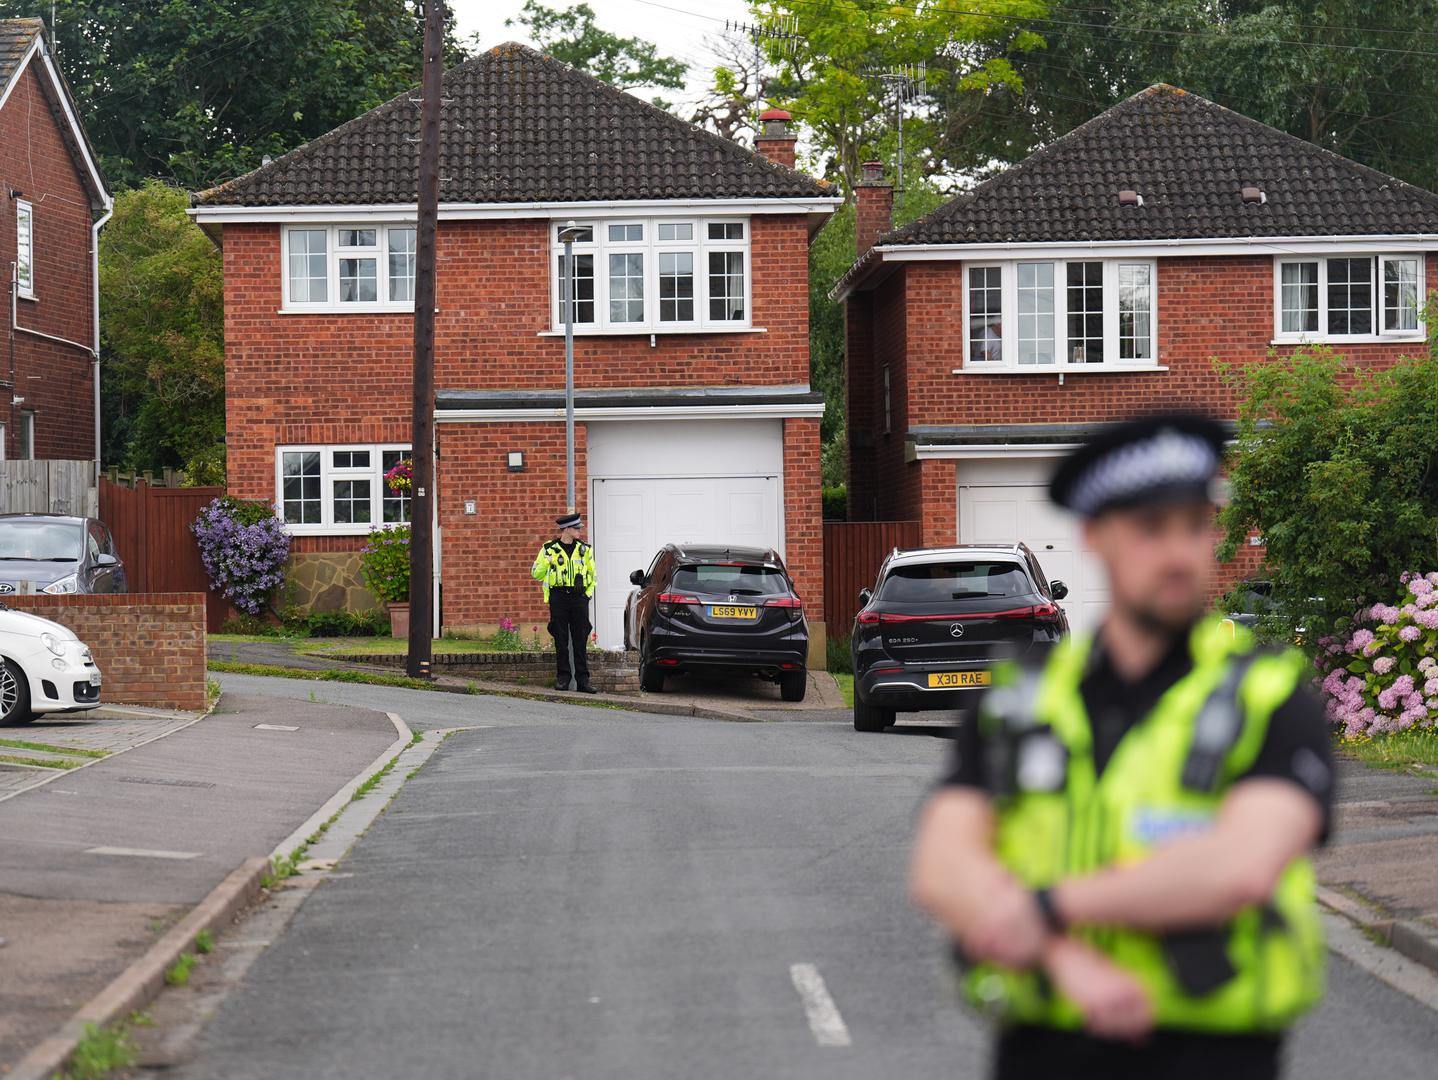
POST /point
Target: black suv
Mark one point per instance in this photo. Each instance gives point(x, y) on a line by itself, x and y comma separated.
point(937, 621)
point(703, 606)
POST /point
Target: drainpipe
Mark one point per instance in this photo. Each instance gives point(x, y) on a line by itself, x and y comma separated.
point(95, 352)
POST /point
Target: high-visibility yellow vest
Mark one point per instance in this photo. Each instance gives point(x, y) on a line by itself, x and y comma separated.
point(1169, 774)
point(553, 568)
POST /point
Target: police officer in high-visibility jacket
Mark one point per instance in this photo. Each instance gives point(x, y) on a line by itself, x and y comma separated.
point(565, 569)
point(1120, 848)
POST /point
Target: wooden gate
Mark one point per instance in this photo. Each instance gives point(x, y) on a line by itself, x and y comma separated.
point(151, 526)
point(853, 551)
point(48, 487)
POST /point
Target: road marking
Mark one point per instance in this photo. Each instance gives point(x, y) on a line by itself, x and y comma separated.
point(142, 853)
point(275, 727)
point(824, 1019)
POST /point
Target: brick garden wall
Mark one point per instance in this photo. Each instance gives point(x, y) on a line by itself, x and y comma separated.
point(54, 379)
point(150, 646)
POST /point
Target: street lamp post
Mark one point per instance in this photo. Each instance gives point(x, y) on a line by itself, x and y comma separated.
point(568, 235)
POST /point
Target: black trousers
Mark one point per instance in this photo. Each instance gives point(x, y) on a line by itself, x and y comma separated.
point(569, 626)
point(1035, 1053)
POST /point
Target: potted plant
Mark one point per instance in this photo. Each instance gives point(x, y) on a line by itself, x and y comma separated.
point(385, 569)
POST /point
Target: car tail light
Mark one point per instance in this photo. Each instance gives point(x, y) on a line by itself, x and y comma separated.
point(889, 671)
point(790, 667)
point(784, 601)
point(667, 662)
point(1042, 611)
point(868, 618)
point(1048, 613)
point(667, 601)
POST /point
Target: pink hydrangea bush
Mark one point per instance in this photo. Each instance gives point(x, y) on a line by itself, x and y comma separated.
point(1381, 675)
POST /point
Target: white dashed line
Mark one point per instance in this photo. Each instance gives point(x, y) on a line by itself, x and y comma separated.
point(275, 727)
point(824, 1019)
point(142, 853)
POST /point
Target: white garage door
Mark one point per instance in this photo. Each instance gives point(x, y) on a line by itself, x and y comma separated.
point(658, 482)
point(1007, 501)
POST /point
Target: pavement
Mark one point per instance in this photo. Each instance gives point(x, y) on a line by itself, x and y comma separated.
point(98, 862)
point(568, 892)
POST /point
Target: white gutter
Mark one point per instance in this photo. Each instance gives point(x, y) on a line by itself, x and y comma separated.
point(632, 412)
point(511, 210)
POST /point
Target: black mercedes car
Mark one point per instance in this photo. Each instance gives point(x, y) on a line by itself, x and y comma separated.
point(939, 619)
point(710, 607)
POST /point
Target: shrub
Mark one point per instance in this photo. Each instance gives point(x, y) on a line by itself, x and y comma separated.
point(839, 659)
point(506, 638)
point(1380, 675)
point(836, 503)
point(244, 548)
point(340, 623)
point(385, 562)
point(251, 625)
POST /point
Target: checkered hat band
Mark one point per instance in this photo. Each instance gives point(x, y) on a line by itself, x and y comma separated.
point(1167, 459)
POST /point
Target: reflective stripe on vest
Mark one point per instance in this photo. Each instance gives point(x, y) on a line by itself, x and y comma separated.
point(554, 569)
point(1057, 818)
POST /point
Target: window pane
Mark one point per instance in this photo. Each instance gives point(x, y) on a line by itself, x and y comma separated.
point(351, 459)
point(1400, 294)
point(1085, 307)
point(726, 286)
point(1350, 296)
point(726, 230)
point(394, 504)
point(359, 281)
point(583, 285)
point(1036, 313)
point(309, 274)
point(626, 287)
point(1135, 312)
point(401, 264)
point(357, 238)
point(985, 313)
point(676, 286)
point(352, 503)
point(301, 489)
point(676, 230)
point(1298, 285)
point(24, 248)
point(626, 233)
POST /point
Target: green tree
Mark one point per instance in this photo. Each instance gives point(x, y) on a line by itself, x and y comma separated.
point(162, 363)
point(1336, 468)
point(571, 36)
point(1356, 76)
point(196, 91)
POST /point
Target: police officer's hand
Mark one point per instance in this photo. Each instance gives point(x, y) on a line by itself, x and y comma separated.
point(1011, 932)
point(1113, 1002)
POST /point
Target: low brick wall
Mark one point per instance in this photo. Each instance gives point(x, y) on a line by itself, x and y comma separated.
point(610, 672)
point(150, 646)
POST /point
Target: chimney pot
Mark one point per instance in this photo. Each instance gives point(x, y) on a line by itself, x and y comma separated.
point(775, 140)
point(871, 172)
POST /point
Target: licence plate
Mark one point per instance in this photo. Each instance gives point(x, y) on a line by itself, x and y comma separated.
point(94, 678)
point(958, 678)
point(729, 611)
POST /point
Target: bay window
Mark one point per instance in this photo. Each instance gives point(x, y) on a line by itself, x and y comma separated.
point(338, 489)
point(1348, 297)
point(343, 268)
point(1060, 314)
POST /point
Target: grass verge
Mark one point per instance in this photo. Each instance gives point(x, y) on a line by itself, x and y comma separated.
point(846, 686)
point(1398, 751)
point(373, 678)
point(71, 751)
point(43, 763)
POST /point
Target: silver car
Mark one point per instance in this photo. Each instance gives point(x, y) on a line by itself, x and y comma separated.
point(50, 553)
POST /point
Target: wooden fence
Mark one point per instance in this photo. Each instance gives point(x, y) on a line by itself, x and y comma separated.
point(151, 527)
point(48, 487)
point(853, 551)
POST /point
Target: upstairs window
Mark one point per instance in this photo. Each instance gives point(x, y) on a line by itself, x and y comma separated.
point(654, 274)
point(349, 268)
point(25, 248)
point(1348, 298)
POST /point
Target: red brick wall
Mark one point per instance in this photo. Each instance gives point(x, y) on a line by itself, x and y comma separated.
point(873, 214)
point(803, 514)
point(150, 647)
point(55, 380)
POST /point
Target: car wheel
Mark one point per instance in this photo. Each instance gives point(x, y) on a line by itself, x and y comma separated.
point(14, 695)
point(651, 678)
point(793, 685)
point(871, 717)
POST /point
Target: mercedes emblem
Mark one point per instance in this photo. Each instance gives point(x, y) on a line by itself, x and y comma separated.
point(956, 629)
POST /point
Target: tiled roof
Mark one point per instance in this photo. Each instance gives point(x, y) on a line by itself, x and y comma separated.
point(1189, 159)
point(518, 127)
point(15, 37)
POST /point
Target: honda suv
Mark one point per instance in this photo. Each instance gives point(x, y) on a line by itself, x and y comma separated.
point(939, 619)
point(706, 607)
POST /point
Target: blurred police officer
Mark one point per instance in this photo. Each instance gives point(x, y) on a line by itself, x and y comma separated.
point(1119, 849)
point(564, 568)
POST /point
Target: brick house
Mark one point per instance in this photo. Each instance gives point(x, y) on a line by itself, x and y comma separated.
point(695, 419)
point(53, 201)
point(1099, 277)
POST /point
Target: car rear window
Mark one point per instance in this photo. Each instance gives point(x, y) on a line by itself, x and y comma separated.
point(40, 541)
point(738, 580)
point(934, 583)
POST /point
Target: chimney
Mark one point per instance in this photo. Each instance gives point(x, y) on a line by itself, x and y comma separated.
point(775, 141)
point(873, 206)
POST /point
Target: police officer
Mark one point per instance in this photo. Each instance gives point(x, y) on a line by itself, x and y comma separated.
point(1120, 847)
point(565, 569)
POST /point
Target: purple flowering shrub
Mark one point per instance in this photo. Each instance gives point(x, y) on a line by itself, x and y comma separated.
point(384, 564)
point(244, 547)
point(1381, 675)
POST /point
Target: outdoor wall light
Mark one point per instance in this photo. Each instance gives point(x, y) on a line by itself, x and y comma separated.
point(516, 461)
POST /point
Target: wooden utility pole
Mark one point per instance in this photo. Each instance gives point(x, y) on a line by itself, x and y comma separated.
point(421, 546)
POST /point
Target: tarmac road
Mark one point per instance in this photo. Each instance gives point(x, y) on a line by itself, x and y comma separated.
point(585, 893)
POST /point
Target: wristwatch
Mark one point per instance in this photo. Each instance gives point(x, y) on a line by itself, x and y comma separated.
point(1044, 898)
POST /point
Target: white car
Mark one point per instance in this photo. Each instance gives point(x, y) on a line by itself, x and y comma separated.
point(44, 668)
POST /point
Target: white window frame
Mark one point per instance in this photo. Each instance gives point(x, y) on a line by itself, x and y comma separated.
point(1322, 335)
point(652, 247)
point(1009, 308)
point(374, 473)
point(333, 254)
point(27, 434)
point(25, 211)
